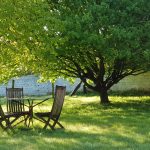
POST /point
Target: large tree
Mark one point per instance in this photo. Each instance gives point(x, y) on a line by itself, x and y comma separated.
point(105, 41)
point(100, 42)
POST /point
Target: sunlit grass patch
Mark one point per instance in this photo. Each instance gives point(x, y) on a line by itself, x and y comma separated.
point(124, 124)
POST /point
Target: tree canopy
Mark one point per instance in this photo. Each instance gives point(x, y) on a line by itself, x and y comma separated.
point(100, 42)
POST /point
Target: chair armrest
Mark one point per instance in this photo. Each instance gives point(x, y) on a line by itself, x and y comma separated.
point(41, 101)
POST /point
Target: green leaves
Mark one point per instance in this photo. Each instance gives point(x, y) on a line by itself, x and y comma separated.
point(74, 38)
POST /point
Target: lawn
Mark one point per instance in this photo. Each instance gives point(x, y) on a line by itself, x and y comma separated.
point(125, 124)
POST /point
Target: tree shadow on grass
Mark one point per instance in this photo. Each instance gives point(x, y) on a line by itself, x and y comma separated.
point(63, 139)
point(121, 125)
point(132, 114)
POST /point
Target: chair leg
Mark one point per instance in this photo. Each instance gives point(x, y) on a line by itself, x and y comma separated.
point(56, 122)
point(11, 122)
point(30, 121)
point(60, 124)
point(25, 122)
point(39, 119)
point(19, 121)
point(2, 126)
point(47, 123)
point(8, 125)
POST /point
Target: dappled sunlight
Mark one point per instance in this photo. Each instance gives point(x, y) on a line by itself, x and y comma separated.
point(62, 141)
point(84, 128)
point(83, 99)
point(124, 124)
point(128, 132)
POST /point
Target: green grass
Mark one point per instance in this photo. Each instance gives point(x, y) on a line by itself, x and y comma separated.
point(125, 124)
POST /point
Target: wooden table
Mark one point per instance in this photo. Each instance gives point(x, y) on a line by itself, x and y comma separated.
point(32, 105)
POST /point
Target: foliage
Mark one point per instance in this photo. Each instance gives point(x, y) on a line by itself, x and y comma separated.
point(23, 29)
point(100, 42)
point(105, 41)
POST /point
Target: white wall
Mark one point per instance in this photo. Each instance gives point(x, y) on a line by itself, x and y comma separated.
point(32, 87)
point(139, 82)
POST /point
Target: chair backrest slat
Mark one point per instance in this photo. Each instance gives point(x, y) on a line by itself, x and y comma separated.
point(60, 92)
point(1, 112)
point(15, 102)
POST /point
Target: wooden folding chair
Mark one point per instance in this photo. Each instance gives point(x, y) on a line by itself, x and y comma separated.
point(15, 105)
point(55, 112)
point(4, 120)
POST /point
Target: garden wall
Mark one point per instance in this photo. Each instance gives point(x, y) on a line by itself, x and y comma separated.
point(32, 87)
point(140, 83)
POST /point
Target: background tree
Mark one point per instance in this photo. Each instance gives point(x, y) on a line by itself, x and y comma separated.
point(24, 36)
point(105, 41)
point(100, 41)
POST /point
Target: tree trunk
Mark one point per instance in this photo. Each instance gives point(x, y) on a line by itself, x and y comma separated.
point(13, 84)
point(104, 97)
point(76, 89)
point(53, 90)
point(84, 86)
point(84, 89)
